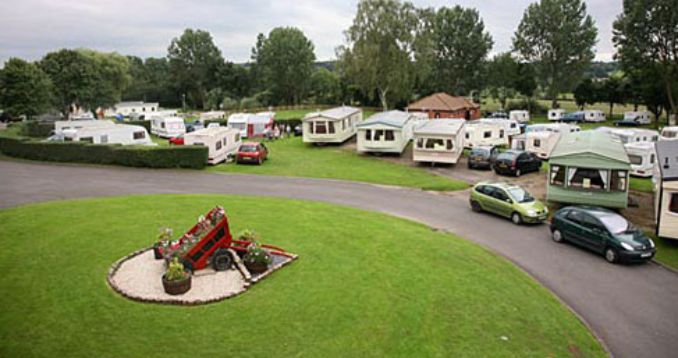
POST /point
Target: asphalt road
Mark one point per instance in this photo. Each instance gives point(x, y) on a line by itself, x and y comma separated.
point(633, 309)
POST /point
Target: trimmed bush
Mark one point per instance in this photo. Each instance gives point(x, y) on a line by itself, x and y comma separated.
point(194, 157)
point(37, 129)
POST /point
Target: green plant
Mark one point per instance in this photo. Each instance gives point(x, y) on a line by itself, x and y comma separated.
point(257, 254)
point(175, 271)
point(248, 235)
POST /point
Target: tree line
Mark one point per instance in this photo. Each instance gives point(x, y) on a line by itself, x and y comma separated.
point(393, 53)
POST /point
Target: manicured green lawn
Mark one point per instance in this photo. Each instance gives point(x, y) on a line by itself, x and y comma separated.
point(357, 290)
point(641, 184)
point(291, 157)
point(667, 250)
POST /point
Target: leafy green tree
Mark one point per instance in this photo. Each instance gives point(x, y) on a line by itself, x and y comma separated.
point(214, 99)
point(613, 91)
point(646, 36)
point(502, 78)
point(194, 62)
point(325, 86)
point(24, 88)
point(558, 37)
point(460, 45)
point(285, 59)
point(585, 93)
point(377, 57)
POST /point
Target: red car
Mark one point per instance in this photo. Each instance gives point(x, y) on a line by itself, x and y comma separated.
point(178, 140)
point(252, 152)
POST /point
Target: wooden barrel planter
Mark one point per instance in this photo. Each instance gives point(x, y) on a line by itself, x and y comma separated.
point(256, 267)
point(177, 287)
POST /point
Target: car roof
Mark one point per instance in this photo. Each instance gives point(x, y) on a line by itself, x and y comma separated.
point(250, 143)
point(596, 211)
point(499, 184)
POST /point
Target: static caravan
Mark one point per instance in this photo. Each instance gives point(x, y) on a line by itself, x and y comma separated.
point(669, 133)
point(589, 168)
point(61, 126)
point(222, 142)
point(553, 127)
point(128, 108)
point(520, 116)
point(594, 115)
point(641, 156)
point(480, 133)
point(642, 117)
point(556, 114)
point(212, 115)
point(666, 190)
point(334, 125)
point(632, 135)
point(168, 127)
point(439, 141)
point(541, 143)
point(251, 125)
point(511, 126)
point(385, 132)
point(124, 134)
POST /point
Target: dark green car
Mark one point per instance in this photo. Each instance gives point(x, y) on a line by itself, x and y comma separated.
point(602, 231)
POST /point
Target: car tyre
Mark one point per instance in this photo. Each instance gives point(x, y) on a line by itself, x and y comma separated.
point(221, 260)
point(475, 206)
point(516, 218)
point(557, 236)
point(611, 255)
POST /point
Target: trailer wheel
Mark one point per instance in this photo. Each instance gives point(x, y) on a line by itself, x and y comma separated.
point(221, 260)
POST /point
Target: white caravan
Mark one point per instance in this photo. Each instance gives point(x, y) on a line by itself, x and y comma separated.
point(642, 158)
point(553, 127)
point(594, 115)
point(541, 143)
point(556, 114)
point(479, 133)
point(439, 141)
point(222, 142)
point(511, 126)
point(520, 116)
point(385, 132)
point(632, 135)
point(642, 117)
point(669, 133)
point(168, 127)
point(61, 126)
point(212, 115)
point(124, 134)
point(334, 125)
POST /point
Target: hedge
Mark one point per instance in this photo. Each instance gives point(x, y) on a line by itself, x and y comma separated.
point(37, 129)
point(194, 157)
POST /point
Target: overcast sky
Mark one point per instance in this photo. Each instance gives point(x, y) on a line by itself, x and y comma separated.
point(144, 28)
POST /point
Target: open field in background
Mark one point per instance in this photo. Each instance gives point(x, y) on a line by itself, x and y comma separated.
point(428, 293)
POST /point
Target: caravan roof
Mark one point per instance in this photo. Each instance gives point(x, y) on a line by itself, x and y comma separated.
point(590, 142)
point(238, 118)
point(395, 119)
point(211, 131)
point(335, 113)
point(440, 127)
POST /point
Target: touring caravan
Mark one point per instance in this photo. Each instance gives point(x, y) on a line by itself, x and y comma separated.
point(594, 115)
point(541, 143)
point(222, 142)
point(478, 133)
point(60, 126)
point(511, 126)
point(124, 134)
point(669, 133)
point(553, 127)
point(520, 116)
point(334, 125)
point(642, 157)
point(168, 127)
point(251, 125)
point(556, 114)
point(439, 141)
point(385, 132)
point(636, 118)
point(632, 135)
point(212, 115)
point(666, 189)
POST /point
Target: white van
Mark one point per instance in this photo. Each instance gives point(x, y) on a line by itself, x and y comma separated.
point(222, 142)
point(168, 127)
point(594, 115)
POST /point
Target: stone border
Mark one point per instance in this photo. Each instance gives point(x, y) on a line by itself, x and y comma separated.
point(249, 280)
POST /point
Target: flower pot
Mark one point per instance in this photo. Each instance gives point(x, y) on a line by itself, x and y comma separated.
point(256, 267)
point(157, 253)
point(177, 287)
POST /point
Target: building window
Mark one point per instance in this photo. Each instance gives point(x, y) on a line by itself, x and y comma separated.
point(368, 135)
point(378, 134)
point(320, 127)
point(217, 146)
point(537, 143)
point(139, 135)
point(103, 139)
point(86, 139)
point(389, 136)
point(673, 203)
point(586, 178)
point(619, 179)
point(487, 134)
point(557, 177)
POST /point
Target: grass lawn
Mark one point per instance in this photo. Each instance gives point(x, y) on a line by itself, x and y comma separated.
point(356, 290)
point(163, 142)
point(667, 250)
point(641, 184)
point(291, 157)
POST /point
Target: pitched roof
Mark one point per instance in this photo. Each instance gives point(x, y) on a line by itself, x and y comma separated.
point(389, 118)
point(667, 158)
point(442, 102)
point(590, 142)
point(440, 126)
point(334, 113)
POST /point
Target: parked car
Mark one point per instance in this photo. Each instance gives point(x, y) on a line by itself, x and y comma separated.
point(516, 162)
point(576, 117)
point(252, 152)
point(602, 231)
point(483, 157)
point(178, 140)
point(508, 200)
point(194, 126)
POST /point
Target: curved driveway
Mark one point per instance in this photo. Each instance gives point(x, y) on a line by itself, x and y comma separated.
point(634, 309)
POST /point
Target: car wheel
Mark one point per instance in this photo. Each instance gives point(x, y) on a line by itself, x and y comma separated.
point(475, 206)
point(611, 255)
point(557, 236)
point(516, 218)
point(518, 172)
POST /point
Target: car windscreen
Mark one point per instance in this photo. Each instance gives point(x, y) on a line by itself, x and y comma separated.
point(480, 152)
point(614, 223)
point(507, 156)
point(520, 195)
point(248, 148)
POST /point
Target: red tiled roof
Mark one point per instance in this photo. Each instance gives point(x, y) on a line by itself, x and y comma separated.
point(442, 102)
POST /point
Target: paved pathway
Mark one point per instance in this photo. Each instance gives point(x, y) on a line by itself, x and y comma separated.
point(634, 309)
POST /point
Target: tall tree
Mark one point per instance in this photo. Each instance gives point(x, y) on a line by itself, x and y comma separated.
point(377, 56)
point(285, 59)
point(460, 46)
point(613, 91)
point(585, 93)
point(325, 86)
point(24, 88)
point(558, 37)
point(194, 61)
point(646, 36)
point(502, 77)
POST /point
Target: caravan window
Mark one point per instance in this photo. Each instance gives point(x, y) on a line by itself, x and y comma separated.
point(449, 144)
point(618, 182)
point(162, 124)
point(343, 125)
point(103, 139)
point(217, 146)
point(501, 133)
point(487, 134)
point(434, 144)
point(225, 141)
point(673, 203)
point(139, 135)
point(320, 127)
point(586, 178)
point(378, 134)
point(86, 139)
point(331, 127)
point(635, 159)
point(537, 143)
point(389, 136)
point(652, 158)
point(237, 137)
point(368, 135)
point(467, 135)
point(420, 143)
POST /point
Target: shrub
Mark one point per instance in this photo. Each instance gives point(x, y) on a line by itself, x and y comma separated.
point(37, 129)
point(257, 254)
point(175, 271)
point(229, 104)
point(249, 103)
point(193, 157)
